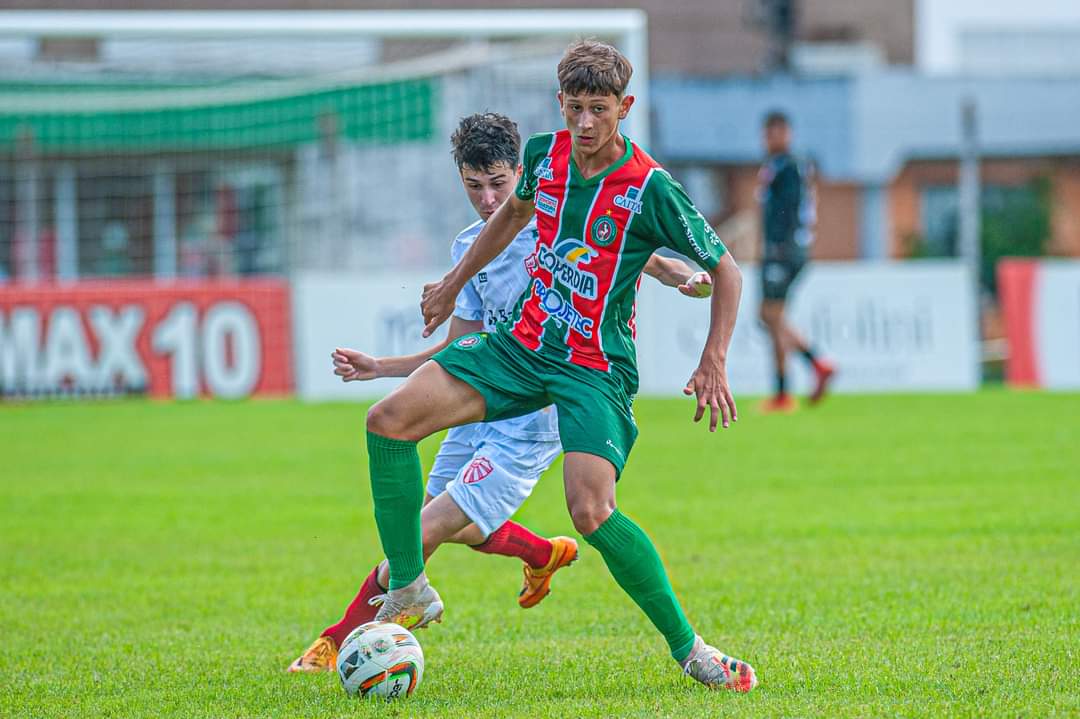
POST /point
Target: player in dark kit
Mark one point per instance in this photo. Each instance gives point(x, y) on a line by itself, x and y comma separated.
point(788, 217)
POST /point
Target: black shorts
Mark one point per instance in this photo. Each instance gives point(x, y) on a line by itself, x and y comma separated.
point(777, 276)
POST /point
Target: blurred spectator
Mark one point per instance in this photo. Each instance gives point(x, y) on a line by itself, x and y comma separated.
point(789, 214)
point(115, 257)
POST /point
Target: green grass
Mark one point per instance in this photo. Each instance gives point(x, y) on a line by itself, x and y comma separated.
point(881, 556)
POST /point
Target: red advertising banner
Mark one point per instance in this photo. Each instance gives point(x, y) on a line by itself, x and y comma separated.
point(166, 339)
point(1040, 300)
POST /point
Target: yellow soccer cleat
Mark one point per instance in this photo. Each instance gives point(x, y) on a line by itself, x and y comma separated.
point(321, 656)
point(537, 584)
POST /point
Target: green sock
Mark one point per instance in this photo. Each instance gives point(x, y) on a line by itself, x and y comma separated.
point(397, 487)
point(632, 560)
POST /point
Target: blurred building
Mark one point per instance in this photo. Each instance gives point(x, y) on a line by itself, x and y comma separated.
point(207, 184)
point(886, 145)
point(693, 37)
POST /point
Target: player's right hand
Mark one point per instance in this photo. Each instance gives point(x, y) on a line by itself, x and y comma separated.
point(437, 304)
point(354, 365)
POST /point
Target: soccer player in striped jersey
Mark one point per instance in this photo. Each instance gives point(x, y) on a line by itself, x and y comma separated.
point(483, 472)
point(602, 207)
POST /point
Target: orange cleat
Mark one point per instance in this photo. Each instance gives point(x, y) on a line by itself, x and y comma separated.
point(537, 585)
point(824, 372)
point(779, 404)
point(321, 656)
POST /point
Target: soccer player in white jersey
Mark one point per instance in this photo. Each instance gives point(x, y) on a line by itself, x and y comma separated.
point(483, 472)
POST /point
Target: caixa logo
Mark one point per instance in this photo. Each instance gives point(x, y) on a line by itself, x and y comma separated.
point(543, 170)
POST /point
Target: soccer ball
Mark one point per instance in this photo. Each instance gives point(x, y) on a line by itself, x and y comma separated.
point(380, 659)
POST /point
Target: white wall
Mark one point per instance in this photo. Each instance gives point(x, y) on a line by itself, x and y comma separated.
point(939, 25)
point(890, 327)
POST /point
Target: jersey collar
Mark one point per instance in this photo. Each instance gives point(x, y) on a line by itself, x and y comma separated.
point(580, 180)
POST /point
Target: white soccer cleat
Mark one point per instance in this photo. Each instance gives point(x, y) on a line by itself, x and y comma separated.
point(413, 607)
point(717, 670)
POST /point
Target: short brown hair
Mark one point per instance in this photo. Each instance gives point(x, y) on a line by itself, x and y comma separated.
point(591, 67)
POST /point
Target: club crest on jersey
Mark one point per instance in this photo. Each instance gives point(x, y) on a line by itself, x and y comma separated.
point(547, 204)
point(543, 170)
point(604, 231)
point(478, 469)
point(557, 307)
point(482, 277)
point(630, 201)
point(564, 264)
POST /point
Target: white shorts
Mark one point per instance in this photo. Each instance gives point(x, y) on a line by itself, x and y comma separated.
point(488, 474)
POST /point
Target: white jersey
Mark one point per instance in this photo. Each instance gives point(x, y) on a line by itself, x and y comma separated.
point(491, 296)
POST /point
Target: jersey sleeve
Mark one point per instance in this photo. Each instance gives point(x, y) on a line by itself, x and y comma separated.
point(469, 305)
point(536, 149)
point(675, 223)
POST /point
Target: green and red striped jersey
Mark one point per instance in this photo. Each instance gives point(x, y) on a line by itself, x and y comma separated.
point(595, 236)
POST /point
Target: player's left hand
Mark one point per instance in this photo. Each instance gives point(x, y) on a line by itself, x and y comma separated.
point(698, 285)
point(437, 304)
point(709, 382)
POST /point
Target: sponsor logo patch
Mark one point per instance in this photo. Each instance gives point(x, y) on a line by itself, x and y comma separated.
point(469, 341)
point(547, 204)
point(543, 170)
point(564, 264)
point(698, 249)
point(482, 277)
point(629, 200)
point(478, 469)
point(604, 231)
point(556, 306)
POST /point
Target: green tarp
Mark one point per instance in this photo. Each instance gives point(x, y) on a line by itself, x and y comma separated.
point(196, 119)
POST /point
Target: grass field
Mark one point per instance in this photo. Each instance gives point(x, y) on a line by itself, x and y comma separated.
point(881, 556)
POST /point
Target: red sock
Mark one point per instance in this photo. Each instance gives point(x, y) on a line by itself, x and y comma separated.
point(358, 611)
point(513, 540)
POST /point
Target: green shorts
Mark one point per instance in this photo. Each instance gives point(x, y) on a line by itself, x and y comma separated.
point(595, 408)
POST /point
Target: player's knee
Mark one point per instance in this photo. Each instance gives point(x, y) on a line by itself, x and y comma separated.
point(587, 517)
point(383, 419)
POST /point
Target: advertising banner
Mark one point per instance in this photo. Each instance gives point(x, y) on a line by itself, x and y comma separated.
point(888, 327)
point(1040, 300)
point(114, 337)
point(379, 315)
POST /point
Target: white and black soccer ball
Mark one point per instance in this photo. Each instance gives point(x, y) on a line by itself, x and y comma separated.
point(380, 659)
